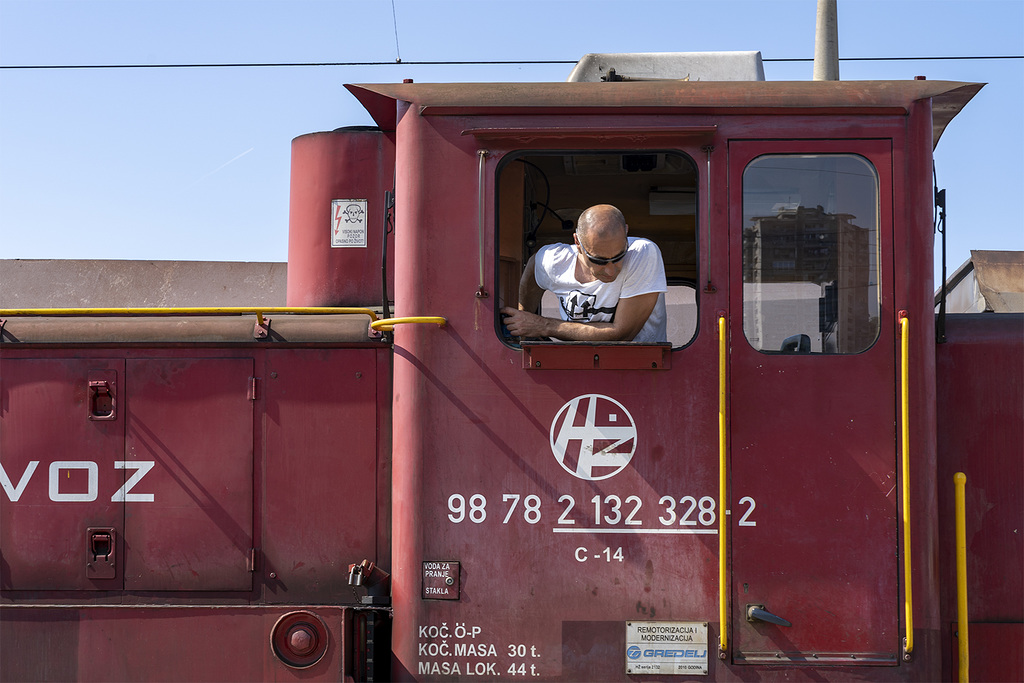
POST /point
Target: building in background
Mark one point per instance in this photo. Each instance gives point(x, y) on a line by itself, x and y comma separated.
point(51, 283)
point(988, 282)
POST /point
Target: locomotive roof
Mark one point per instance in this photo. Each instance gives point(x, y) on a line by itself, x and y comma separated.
point(667, 97)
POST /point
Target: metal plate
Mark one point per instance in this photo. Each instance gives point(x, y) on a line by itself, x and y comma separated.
point(59, 475)
point(597, 357)
point(441, 580)
point(321, 466)
point(191, 527)
point(667, 647)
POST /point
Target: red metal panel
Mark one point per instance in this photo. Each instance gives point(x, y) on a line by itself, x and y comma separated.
point(188, 522)
point(813, 446)
point(59, 475)
point(321, 469)
point(980, 372)
point(552, 564)
point(542, 356)
point(995, 654)
point(160, 644)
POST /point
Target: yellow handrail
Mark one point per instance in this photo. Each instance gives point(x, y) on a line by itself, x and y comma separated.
point(908, 641)
point(960, 484)
point(723, 598)
point(388, 324)
point(194, 310)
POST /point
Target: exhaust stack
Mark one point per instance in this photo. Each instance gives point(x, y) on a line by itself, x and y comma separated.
point(826, 42)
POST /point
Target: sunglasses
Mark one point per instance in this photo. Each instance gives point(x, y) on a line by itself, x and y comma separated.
point(598, 261)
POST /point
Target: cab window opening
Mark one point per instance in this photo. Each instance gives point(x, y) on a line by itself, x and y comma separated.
point(541, 195)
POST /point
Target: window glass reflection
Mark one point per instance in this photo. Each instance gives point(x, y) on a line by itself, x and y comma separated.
point(810, 254)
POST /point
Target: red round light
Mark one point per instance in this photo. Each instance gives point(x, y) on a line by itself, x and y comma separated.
point(299, 639)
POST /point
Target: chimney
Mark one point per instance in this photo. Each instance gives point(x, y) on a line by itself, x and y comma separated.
point(826, 43)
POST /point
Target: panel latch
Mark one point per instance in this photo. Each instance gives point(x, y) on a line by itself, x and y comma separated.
point(101, 400)
point(99, 553)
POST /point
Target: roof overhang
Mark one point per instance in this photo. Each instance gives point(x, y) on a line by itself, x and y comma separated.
point(667, 97)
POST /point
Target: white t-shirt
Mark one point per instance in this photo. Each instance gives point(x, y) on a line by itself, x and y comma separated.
point(642, 273)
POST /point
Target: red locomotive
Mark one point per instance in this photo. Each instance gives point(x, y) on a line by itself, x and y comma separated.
point(346, 494)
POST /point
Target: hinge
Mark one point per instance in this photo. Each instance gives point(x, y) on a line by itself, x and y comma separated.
point(252, 388)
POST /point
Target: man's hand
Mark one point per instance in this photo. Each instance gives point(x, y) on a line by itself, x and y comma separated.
point(524, 324)
point(630, 317)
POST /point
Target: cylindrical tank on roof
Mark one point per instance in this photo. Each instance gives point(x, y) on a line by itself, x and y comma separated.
point(336, 218)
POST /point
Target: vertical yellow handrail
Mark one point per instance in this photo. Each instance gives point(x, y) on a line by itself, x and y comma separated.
point(723, 598)
point(960, 484)
point(908, 641)
point(481, 199)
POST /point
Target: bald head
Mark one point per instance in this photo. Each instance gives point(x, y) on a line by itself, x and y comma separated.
point(601, 222)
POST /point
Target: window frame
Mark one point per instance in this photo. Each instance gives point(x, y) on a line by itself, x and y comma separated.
point(875, 154)
point(502, 280)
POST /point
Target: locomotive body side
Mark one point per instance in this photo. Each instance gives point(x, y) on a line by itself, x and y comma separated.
point(182, 502)
point(980, 377)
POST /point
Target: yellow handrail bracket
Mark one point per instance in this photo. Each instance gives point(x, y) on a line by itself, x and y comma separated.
point(388, 324)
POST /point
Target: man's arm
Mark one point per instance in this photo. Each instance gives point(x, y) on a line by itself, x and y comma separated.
point(630, 317)
point(530, 293)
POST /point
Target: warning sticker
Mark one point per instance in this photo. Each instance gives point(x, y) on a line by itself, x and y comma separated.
point(348, 223)
point(667, 647)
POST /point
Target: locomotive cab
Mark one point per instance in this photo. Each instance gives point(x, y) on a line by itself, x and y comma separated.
point(739, 487)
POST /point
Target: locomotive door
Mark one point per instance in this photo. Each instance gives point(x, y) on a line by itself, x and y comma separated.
point(61, 436)
point(813, 444)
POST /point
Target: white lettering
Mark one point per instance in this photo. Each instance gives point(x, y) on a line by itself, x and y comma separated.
point(94, 481)
point(434, 650)
point(123, 495)
point(14, 492)
point(475, 650)
point(438, 669)
point(481, 669)
point(438, 566)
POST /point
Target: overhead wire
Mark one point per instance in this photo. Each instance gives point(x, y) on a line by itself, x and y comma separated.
point(394, 18)
point(506, 62)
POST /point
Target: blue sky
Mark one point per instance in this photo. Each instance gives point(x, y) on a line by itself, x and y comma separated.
point(193, 163)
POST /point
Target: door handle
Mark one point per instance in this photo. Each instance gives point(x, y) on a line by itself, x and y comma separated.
point(101, 400)
point(759, 613)
point(100, 543)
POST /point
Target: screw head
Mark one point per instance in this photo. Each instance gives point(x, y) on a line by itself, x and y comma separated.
point(301, 641)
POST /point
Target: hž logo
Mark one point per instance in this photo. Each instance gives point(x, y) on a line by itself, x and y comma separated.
point(593, 437)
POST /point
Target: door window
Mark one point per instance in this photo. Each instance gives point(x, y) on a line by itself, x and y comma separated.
point(810, 253)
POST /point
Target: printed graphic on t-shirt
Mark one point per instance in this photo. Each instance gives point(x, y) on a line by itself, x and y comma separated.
point(580, 307)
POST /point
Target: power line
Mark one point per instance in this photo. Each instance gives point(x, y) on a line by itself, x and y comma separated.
point(277, 64)
point(511, 62)
point(394, 17)
point(894, 59)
